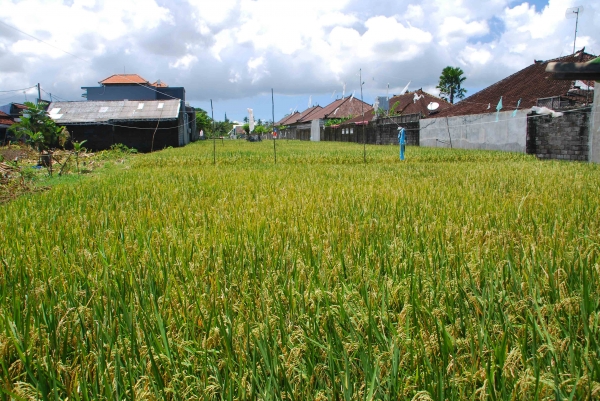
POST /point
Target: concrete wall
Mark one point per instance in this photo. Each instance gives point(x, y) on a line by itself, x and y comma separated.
point(315, 130)
point(594, 142)
point(478, 131)
point(561, 138)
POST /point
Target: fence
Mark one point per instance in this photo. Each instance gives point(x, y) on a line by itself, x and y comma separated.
point(383, 131)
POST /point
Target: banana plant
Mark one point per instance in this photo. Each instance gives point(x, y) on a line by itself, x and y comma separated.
point(77, 149)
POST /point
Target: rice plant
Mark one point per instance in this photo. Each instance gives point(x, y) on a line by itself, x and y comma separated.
point(453, 275)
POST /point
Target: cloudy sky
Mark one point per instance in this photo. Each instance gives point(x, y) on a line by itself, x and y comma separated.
point(235, 51)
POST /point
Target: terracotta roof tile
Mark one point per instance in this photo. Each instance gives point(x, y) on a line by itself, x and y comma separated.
point(5, 119)
point(407, 105)
point(124, 79)
point(159, 84)
point(340, 108)
point(529, 85)
point(288, 119)
point(302, 117)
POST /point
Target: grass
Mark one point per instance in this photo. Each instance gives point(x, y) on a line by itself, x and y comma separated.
point(454, 275)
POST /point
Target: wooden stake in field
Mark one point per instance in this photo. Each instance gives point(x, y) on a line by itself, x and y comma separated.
point(212, 116)
point(273, 125)
point(362, 107)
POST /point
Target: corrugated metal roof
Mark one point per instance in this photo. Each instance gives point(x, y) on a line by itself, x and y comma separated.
point(121, 110)
point(124, 79)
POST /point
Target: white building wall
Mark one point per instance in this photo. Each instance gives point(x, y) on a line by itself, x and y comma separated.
point(315, 130)
point(477, 131)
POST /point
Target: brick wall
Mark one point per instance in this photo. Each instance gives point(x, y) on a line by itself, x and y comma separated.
point(561, 138)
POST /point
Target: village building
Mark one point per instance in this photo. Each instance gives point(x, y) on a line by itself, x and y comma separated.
point(475, 122)
point(5, 122)
point(128, 109)
point(310, 124)
point(143, 125)
point(380, 126)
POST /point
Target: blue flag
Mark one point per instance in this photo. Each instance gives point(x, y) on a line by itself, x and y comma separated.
point(498, 108)
point(517, 109)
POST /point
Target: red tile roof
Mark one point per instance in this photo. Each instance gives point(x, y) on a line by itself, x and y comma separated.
point(121, 79)
point(301, 117)
point(341, 108)
point(288, 119)
point(408, 105)
point(5, 119)
point(529, 85)
point(159, 84)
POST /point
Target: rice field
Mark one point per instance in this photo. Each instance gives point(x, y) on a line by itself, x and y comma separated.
point(455, 275)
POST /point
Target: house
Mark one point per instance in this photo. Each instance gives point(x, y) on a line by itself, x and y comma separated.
point(381, 127)
point(310, 124)
point(14, 110)
point(474, 122)
point(135, 87)
point(293, 124)
point(5, 122)
point(144, 125)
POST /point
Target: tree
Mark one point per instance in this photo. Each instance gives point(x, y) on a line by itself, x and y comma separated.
point(39, 129)
point(450, 84)
point(203, 121)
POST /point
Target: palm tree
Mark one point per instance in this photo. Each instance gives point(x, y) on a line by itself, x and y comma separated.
point(450, 84)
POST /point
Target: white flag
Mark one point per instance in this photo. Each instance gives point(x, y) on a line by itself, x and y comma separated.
point(344, 91)
point(251, 119)
point(310, 101)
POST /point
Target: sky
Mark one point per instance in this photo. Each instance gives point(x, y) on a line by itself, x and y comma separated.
point(235, 51)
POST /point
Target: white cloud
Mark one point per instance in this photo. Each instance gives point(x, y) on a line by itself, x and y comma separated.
point(241, 48)
point(184, 62)
point(457, 27)
point(472, 55)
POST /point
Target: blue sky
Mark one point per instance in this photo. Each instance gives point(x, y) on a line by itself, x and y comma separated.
point(235, 51)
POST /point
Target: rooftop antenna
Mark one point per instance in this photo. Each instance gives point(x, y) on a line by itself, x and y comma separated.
point(574, 12)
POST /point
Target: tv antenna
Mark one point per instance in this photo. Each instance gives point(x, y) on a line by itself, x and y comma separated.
point(574, 12)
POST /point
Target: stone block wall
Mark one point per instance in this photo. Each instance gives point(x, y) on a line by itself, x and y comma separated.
point(560, 138)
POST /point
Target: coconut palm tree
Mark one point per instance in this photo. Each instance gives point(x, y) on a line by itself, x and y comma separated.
point(450, 84)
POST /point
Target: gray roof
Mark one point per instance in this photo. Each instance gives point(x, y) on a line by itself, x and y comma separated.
point(120, 110)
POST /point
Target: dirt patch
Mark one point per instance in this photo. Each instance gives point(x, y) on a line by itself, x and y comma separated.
point(10, 154)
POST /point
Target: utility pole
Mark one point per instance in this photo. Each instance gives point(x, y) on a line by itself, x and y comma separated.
point(39, 94)
point(362, 107)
